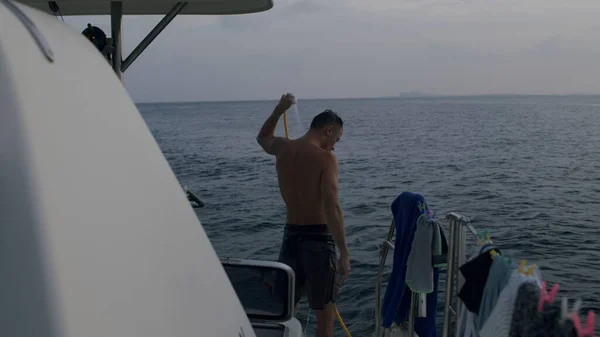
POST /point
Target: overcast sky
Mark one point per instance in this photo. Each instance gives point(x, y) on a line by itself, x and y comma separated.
point(368, 48)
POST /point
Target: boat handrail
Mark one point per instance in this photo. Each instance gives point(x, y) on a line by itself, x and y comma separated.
point(457, 229)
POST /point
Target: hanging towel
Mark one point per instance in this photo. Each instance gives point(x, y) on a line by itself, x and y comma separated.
point(419, 269)
point(498, 278)
point(499, 321)
point(525, 310)
point(440, 249)
point(407, 208)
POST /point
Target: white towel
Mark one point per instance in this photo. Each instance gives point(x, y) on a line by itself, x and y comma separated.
point(419, 269)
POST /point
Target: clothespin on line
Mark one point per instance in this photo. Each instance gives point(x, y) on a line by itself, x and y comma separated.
point(487, 237)
point(481, 237)
point(522, 267)
point(529, 270)
point(547, 297)
point(479, 241)
point(564, 308)
point(494, 253)
point(588, 331)
point(507, 260)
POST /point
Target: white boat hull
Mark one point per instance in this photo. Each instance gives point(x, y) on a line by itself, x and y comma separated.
point(96, 236)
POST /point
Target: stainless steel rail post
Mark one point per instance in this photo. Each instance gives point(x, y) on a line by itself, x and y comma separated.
point(387, 244)
point(411, 316)
point(450, 274)
point(457, 249)
point(461, 259)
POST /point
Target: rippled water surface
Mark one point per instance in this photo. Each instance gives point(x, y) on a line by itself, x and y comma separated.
point(526, 169)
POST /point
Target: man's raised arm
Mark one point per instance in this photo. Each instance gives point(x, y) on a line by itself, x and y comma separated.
point(266, 136)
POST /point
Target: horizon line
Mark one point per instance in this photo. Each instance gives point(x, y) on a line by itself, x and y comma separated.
point(422, 95)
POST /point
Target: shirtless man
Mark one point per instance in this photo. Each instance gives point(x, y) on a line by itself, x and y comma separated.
point(307, 172)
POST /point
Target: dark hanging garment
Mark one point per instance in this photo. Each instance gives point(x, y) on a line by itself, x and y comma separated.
point(476, 274)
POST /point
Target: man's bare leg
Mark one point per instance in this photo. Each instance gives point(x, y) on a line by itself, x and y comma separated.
point(325, 320)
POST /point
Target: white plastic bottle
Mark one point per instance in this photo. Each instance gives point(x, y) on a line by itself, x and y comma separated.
point(298, 128)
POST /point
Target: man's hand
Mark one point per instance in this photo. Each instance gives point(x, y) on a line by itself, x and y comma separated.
point(266, 136)
point(285, 102)
point(343, 267)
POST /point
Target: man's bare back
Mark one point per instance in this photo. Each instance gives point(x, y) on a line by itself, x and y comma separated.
point(299, 170)
point(308, 172)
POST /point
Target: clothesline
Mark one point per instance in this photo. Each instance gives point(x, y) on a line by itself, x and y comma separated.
point(465, 222)
point(473, 231)
point(487, 239)
point(489, 292)
point(501, 301)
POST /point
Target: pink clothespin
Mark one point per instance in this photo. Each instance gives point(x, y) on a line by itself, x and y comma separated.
point(547, 297)
point(588, 331)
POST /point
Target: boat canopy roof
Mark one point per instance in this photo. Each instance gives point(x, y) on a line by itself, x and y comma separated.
point(154, 7)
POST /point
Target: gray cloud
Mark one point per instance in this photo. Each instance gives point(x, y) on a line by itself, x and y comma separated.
point(356, 48)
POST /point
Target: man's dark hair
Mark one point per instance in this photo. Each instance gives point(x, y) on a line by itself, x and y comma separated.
point(325, 118)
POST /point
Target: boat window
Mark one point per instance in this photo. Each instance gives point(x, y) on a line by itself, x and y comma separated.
point(263, 291)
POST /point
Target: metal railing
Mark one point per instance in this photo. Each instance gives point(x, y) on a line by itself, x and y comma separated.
point(457, 252)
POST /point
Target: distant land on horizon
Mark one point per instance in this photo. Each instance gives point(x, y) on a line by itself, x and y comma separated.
point(410, 94)
point(415, 94)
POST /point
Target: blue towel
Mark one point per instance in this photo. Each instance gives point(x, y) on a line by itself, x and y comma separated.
point(396, 302)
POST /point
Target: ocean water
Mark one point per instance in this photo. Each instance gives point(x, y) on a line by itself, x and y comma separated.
point(526, 169)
